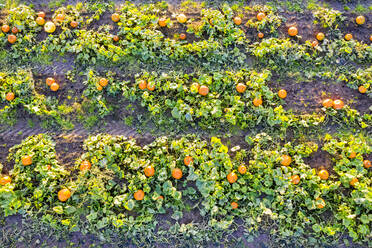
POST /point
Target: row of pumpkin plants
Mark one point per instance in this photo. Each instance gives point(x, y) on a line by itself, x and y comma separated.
point(231, 98)
point(216, 23)
point(117, 183)
point(139, 37)
point(18, 94)
point(237, 98)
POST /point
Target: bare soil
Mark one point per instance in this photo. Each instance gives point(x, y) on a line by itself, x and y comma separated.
point(307, 97)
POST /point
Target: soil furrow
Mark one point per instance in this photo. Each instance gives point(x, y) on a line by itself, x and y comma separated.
point(22, 130)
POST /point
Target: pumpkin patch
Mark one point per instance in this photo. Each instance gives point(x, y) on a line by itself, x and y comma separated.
point(198, 124)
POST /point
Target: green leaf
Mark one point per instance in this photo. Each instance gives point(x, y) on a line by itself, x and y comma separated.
point(177, 215)
point(92, 216)
point(363, 229)
point(70, 210)
point(175, 113)
point(129, 204)
point(364, 219)
point(58, 209)
point(317, 228)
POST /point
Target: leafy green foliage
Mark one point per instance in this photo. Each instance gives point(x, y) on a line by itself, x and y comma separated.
point(21, 84)
point(328, 18)
point(265, 192)
point(216, 53)
point(269, 24)
point(33, 186)
point(355, 211)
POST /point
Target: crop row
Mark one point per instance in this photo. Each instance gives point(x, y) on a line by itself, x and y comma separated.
point(238, 98)
point(231, 98)
point(137, 34)
point(116, 182)
point(18, 91)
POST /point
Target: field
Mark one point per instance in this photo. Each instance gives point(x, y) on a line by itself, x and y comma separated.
point(185, 123)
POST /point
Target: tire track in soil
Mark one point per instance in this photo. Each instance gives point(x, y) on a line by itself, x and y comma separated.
point(69, 144)
point(22, 130)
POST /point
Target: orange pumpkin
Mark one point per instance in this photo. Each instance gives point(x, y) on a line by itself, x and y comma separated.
point(60, 17)
point(142, 85)
point(232, 177)
point(85, 165)
point(367, 164)
point(360, 20)
point(162, 22)
point(103, 82)
point(323, 174)
point(149, 171)
point(15, 30)
point(292, 31)
point(151, 86)
point(320, 36)
point(354, 181)
point(182, 36)
point(40, 21)
point(177, 173)
point(64, 195)
point(257, 102)
point(348, 36)
point(286, 160)
point(242, 169)
point(5, 180)
point(188, 160)
point(203, 90)
point(241, 88)
point(237, 20)
point(54, 87)
point(41, 14)
point(352, 155)
point(74, 24)
point(10, 96)
point(5, 28)
point(282, 93)
point(115, 17)
point(139, 195)
point(327, 103)
point(362, 89)
point(295, 179)
point(49, 81)
point(115, 38)
point(338, 104)
point(12, 38)
point(261, 16)
point(26, 160)
point(314, 43)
